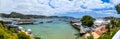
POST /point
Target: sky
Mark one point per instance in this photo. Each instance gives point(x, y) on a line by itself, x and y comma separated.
point(73, 8)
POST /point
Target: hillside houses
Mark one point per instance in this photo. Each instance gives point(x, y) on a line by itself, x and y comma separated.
point(96, 30)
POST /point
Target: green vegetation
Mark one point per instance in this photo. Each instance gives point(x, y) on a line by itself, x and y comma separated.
point(87, 20)
point(6, 33)
point(1, 22)
point(118, 23)
point(23, 16)
point(90, 37)
point(113, 27)
point(37, 37)
point(18, 15)
point(118, 8)
point(106, 35)
point(22, 35)
point(109, 35)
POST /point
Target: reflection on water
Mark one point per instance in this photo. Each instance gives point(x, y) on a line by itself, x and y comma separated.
point(78, 36)
point(54, 30)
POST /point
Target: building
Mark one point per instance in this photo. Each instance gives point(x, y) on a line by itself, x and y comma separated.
point(101, 21)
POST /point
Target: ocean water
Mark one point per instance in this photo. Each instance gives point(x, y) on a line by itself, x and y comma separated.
point(54, 30)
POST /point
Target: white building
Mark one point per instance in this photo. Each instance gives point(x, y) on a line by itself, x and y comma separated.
point(101, 21)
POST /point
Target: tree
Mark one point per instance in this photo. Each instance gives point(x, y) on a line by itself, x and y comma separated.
point(87, 20)
point(22, 35)
point(118, 8)
point(2, 22)
point(18, 15)
point(112, 22)
point(118, 23)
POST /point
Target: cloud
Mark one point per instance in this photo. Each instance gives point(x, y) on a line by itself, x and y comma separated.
point(52, 7)
point(115, 2)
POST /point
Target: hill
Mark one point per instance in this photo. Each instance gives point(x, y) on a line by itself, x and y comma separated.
point(22, 16)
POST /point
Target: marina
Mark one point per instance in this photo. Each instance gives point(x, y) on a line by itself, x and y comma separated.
point(44, 28)
point(59, 19)
point(54, 30)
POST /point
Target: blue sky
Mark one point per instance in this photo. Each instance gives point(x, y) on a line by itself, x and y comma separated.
point(74, 8)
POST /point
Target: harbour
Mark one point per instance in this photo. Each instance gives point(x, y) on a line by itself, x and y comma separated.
point(54, 30)
point(59, 19)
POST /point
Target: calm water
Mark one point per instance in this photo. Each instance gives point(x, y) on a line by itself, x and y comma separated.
point(54, 30)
